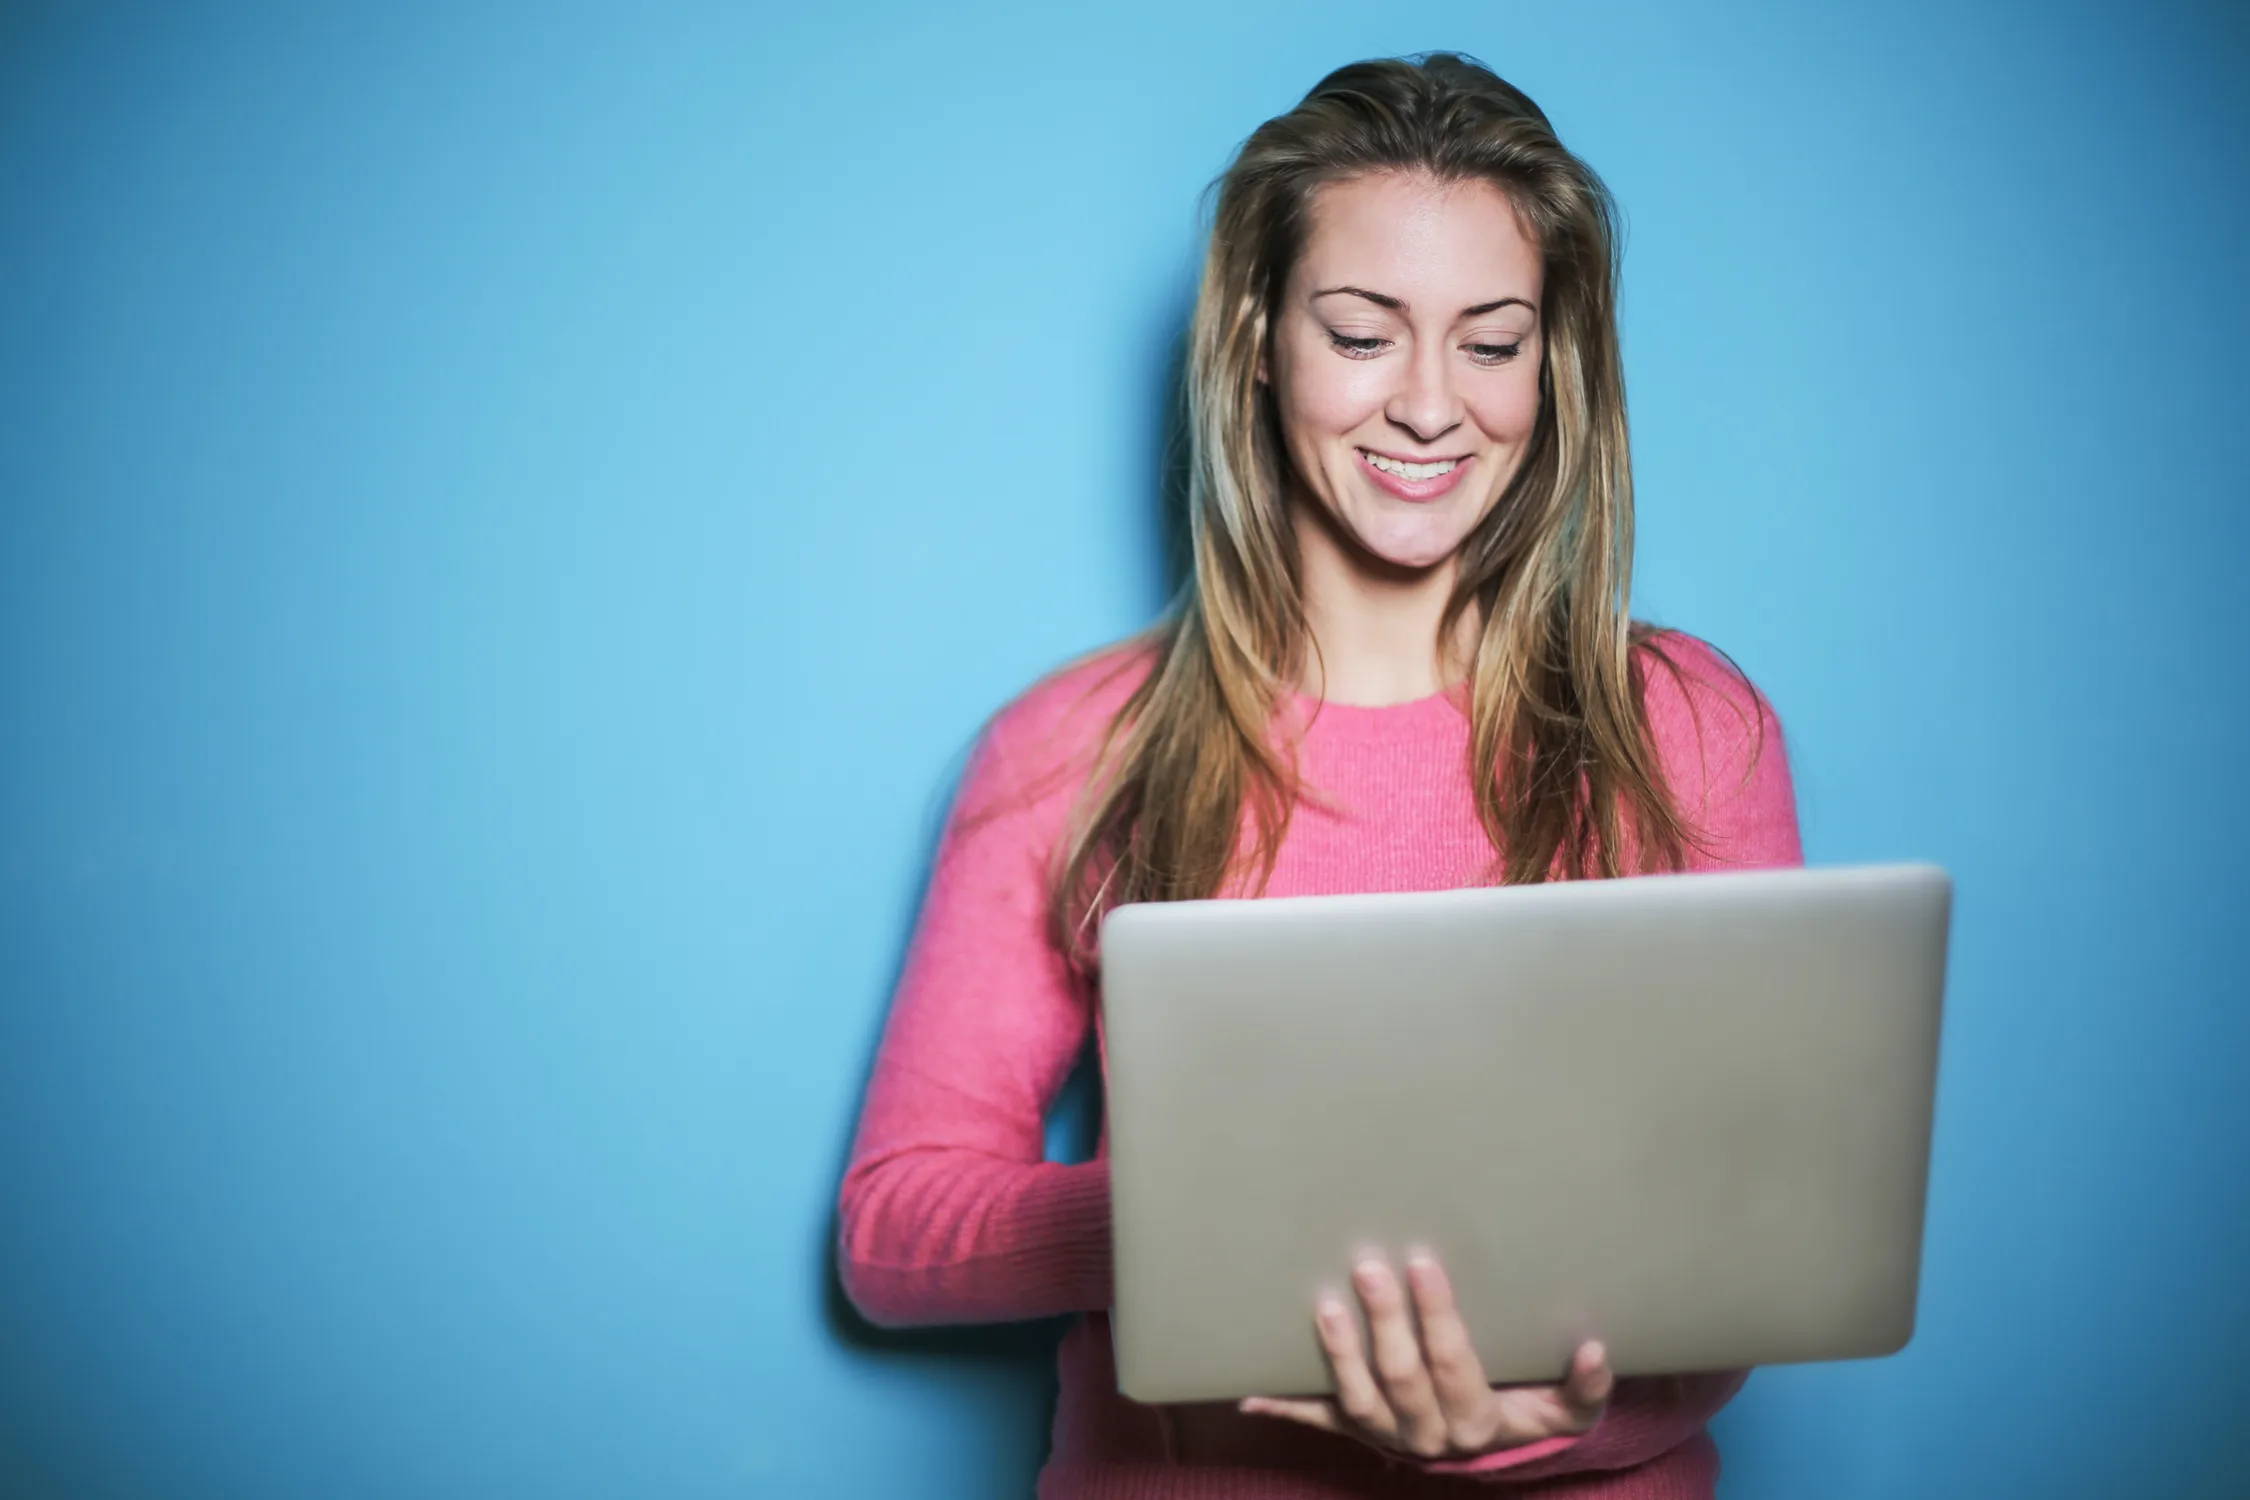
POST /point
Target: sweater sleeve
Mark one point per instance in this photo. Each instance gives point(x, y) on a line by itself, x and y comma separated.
point(949, 1211)
point(1727, 766)
point(1725, 759)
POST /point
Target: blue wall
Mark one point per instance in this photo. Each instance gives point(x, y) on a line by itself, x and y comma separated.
point(514, 512)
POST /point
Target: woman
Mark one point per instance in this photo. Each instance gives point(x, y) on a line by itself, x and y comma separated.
point(1401, 660)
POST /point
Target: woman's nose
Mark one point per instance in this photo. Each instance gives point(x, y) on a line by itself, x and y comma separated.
point(1426, 404)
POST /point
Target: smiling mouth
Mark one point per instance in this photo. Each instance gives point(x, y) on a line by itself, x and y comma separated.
point(1413, 482)
point(1411, 470)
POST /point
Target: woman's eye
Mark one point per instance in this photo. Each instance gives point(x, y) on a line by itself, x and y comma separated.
point(1483, 354)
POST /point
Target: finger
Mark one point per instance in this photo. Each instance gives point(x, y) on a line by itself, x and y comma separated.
point(1462, 1391)
point(1399, 1365)
point(1321, 1414)
point(1356, 1393)
point(1528, 1412)
point(1591, 1381)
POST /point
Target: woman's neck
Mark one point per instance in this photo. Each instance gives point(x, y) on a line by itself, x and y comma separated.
point(1376, 626)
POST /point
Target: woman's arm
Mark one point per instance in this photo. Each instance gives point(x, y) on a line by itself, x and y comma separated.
point(950, 1212)
point(1727, 765)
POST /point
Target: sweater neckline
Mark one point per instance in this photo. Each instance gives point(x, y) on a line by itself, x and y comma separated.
point(1446, 708)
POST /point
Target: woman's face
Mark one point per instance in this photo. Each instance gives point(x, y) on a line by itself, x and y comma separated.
point(1408, 333)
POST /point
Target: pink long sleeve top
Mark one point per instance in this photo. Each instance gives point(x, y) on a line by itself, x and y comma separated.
point(950, 1212)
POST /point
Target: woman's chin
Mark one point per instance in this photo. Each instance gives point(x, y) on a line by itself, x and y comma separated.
point(1409, 554)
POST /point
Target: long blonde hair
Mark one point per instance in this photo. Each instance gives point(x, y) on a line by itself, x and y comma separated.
point(1559, 751)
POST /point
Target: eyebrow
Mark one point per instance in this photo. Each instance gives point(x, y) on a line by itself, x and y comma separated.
point(1398, 304)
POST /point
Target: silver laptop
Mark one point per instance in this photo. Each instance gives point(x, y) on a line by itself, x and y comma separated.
point(1688, 1115)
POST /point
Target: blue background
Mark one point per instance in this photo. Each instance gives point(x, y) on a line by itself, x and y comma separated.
point(514, 513)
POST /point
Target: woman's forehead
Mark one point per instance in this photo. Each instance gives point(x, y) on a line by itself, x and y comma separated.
point(1412, 237)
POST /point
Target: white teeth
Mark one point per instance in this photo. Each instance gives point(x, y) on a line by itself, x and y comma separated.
point(1410, 471)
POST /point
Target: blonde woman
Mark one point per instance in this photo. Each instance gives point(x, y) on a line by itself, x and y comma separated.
point(1401, 659)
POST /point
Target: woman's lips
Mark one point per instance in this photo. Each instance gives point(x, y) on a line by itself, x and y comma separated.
point(1413, 489)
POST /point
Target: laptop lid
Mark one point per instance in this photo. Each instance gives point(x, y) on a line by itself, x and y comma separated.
point(1687, 1114)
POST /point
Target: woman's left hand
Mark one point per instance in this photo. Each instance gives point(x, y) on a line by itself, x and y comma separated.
point(1427, 1395)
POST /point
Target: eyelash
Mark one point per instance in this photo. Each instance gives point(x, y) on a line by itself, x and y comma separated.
point(1363, 348)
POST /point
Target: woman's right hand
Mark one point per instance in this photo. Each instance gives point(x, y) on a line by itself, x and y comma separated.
point(1426, 1395)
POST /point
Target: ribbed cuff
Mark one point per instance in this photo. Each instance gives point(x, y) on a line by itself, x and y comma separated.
point(1065, 1264)
point(1507, 1458)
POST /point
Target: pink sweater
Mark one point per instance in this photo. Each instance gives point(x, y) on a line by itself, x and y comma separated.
point(950, 1212)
